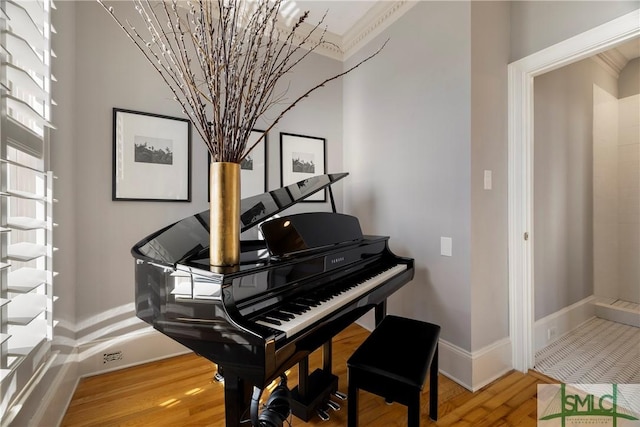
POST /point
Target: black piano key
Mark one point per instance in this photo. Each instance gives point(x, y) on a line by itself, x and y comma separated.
point(310, 301)
point(270, 320)
point(280, 315)
point(296, 308)
point(303, 305)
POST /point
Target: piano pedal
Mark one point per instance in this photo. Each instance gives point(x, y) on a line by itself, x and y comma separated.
point(340, 395)
point(333, 405)
point(322, 414)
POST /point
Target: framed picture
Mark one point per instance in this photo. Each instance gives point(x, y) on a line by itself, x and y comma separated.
point(302, 157)
point(253, 169)
point(151, 157)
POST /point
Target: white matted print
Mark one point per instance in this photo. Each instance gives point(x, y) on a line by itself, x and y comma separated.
point(302, 157)
point(253, 169)
point(151, 157)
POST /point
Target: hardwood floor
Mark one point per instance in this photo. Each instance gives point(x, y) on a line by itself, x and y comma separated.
point(180, 392)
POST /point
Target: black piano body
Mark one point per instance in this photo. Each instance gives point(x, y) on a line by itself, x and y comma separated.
point(224, 315)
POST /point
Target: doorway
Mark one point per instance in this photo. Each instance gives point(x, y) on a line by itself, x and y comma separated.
point(520, 169)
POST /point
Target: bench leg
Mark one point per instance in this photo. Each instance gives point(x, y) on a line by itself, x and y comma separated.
point(433, 387)
point(352, 406)
point(413, 411)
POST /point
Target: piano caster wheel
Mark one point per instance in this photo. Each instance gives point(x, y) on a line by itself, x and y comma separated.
point(388, 401)
point(340, 395)
point(333, 405)
point(218, 377)
point(323, 415)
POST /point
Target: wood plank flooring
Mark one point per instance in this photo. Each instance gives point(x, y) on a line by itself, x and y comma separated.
point(180, 392)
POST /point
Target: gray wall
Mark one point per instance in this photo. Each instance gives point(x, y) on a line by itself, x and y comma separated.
point(489, 214)
point(418, 138)
point(539, 24)
point(110, 72)
point(407, 145)
point(563, 184)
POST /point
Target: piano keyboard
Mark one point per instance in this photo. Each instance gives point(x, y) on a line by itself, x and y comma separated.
point(297, 315)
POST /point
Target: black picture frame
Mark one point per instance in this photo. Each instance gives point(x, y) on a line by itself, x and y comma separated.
point(253, 169)
point(151, 157)
point(301, 157)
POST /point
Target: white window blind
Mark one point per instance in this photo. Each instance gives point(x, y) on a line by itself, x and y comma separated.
point(26, 197)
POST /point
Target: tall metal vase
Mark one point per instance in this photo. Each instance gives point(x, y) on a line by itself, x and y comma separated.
point(224, 221)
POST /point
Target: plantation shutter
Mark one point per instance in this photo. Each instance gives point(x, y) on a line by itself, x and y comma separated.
point(26, 274)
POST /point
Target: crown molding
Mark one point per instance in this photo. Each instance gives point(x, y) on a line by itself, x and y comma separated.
point(377, 19)
point(332, 46)
point(611, 60)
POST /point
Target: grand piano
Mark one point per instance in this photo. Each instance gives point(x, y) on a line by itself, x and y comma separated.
point(290, 294)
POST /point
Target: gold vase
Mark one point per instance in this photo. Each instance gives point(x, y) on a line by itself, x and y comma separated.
point(224, 220)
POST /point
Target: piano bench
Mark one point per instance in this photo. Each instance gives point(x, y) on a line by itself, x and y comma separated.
point(391, 366)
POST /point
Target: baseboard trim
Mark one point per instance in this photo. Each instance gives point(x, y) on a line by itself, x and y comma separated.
point(491, 362)
point(134, 348)
point(617, 314)
point(561, 322)
point(475, 370)
point(455, 363)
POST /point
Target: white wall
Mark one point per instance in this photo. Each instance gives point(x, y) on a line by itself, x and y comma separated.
point(628, 82)
point(563, 184)
point(629, 197)
point(605, 193)
point(616, 196)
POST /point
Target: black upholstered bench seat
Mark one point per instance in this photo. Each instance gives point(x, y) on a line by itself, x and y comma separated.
point(393, 363)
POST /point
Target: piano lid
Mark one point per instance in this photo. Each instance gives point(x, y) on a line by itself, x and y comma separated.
point(190, 236)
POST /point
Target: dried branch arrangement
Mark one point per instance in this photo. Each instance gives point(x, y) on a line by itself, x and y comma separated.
point(222, 60)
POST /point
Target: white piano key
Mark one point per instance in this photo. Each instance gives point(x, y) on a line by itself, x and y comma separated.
point(308, 318)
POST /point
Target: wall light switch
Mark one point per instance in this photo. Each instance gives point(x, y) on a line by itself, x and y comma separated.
point(446, 246)
point(487, 180)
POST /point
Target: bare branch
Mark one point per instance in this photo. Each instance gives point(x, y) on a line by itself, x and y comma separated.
point(223, 60)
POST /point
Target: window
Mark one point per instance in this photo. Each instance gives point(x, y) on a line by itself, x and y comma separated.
point(26, 197)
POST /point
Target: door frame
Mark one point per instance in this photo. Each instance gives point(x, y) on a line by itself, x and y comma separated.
point(520, 167)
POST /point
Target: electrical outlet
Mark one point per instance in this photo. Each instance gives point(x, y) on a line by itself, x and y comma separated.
point(551, 333)
point(111, 357)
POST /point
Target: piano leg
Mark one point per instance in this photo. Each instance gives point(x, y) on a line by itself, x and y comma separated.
point(313, 391)
point(219, 375)
point(237, 398)
point(380, 312)
point(303, 377)
point(327, 356)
